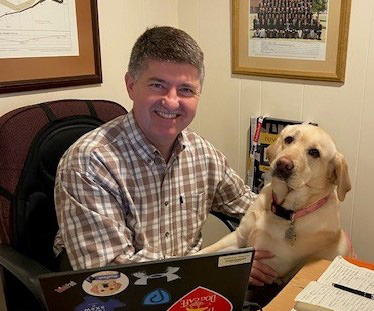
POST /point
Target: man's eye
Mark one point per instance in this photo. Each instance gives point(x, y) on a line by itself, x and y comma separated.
point(186, 92)
point(288, 140)
point(157, 86)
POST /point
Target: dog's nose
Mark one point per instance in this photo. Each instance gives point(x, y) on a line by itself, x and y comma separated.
point(284, 167)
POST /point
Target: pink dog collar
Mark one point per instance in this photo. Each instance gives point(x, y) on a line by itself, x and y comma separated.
point(287, 214)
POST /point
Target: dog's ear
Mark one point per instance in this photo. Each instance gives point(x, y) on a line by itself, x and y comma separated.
point(272, 150)
point(341, 177)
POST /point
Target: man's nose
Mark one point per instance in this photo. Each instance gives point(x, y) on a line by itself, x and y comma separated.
point(171, 99)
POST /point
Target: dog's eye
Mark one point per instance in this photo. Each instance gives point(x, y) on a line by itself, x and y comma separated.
point(288, 140)
point(314, 153)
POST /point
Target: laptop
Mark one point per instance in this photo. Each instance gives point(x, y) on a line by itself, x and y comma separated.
point(216, 281)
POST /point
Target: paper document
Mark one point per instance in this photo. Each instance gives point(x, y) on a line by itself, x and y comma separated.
point(331, 298)
point(321, 295)
point(344, 273)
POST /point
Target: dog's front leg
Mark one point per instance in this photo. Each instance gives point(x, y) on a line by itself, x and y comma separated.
point(236, 239)
point(228, 241)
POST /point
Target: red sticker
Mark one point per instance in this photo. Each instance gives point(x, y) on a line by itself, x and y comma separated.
point(202, 299)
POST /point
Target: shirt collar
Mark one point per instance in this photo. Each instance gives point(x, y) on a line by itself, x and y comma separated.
point(145, 149)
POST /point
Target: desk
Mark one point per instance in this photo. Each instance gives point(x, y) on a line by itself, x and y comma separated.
point(284, 301)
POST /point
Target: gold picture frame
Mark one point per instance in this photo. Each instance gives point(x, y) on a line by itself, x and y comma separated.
point(284, 53)
point(33, 73)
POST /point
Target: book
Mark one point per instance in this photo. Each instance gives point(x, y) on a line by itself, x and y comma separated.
point(321, 295)
point(263, 131)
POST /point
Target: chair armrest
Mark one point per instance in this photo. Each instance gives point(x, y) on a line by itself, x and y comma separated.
point(231, 222)
point(24, 269)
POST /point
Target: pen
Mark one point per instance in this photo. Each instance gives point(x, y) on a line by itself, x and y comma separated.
point(354, 291)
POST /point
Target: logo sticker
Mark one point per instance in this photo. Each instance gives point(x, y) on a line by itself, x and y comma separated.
point(94, 304)
point(169, 274)
point(64, 287)
point(105, 283)
point(202, 299)
point(156, 297)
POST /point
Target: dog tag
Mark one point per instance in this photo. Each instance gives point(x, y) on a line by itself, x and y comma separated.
point(290, 234)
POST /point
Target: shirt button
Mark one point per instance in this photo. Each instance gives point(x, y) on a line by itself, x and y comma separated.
point(167, 234)
point(166, 203)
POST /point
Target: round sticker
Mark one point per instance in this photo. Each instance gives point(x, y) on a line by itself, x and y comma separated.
point(105, 283)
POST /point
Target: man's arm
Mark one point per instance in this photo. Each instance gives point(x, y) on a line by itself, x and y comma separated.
point(92, 221)
point(233, 197)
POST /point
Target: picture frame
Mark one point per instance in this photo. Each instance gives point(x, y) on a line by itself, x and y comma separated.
point(288, 51)
point(32, 73)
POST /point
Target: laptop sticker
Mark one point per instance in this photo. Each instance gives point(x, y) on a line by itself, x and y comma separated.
point(169, 275)
point(156, 297)
point(64, 287)
point(94, 304)
point(202, 299)
point(105, 283)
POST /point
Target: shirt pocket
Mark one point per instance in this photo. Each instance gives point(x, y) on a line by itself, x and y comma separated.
point(194, 211)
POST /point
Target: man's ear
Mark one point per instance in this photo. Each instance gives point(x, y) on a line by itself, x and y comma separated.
point(341, 177)
point(130, 81)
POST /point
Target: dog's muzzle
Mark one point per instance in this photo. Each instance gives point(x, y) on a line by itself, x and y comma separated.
point(283, 168)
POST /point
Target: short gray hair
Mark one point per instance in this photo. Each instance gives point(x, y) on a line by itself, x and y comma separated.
point(165, 44)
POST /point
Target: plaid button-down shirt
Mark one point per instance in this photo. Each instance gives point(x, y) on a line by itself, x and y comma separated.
point(118, 201)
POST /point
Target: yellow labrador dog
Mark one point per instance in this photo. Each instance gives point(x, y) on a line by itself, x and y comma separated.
point(297, 215)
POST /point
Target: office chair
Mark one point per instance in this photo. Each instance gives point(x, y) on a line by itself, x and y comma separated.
point(32, 141)
point(231, 222)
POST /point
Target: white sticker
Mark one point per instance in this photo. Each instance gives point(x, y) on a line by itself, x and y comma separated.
point(169, 275)
point(231, 260)
point(105, 283)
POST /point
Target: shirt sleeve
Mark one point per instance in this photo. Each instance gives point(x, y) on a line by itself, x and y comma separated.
point(92, 221)
point(233, 197)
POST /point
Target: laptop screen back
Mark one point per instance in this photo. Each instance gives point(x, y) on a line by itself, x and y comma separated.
point(216, 281)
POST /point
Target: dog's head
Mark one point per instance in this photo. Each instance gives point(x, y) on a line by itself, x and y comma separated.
point(305, 155)
point(106, 287)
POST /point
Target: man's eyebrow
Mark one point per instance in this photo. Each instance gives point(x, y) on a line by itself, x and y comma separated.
point(185, 84)
point(189, 85)
point(155, 79)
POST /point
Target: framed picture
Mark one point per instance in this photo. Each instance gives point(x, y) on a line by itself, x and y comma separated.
point(48, 44)
point(299, 39)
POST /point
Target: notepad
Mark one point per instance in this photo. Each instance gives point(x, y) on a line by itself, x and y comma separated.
point(320, 295)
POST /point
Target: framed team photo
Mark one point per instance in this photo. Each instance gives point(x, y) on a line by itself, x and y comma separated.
point(299, 39)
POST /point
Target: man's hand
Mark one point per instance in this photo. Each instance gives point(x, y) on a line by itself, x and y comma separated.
point(261, 273)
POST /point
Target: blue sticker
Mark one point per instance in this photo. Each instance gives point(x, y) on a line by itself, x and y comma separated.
point(156, 297)
point(94, 304)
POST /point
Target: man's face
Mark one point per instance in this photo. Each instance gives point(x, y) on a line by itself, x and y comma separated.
point(165, 98)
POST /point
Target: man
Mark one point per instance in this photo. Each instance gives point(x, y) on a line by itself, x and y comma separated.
point(141, 186)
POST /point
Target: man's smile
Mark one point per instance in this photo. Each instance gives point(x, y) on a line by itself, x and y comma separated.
point(167, 115)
